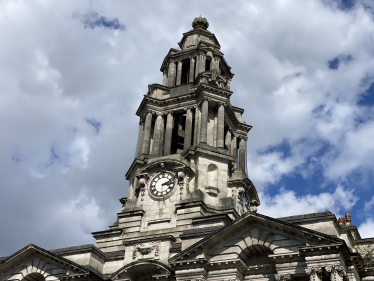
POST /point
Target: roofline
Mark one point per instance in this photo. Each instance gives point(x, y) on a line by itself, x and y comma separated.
point(252, 214)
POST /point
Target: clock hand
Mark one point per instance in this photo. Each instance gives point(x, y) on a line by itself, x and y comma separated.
point(168, 182)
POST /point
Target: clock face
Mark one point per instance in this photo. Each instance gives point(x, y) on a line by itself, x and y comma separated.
point(162, 184)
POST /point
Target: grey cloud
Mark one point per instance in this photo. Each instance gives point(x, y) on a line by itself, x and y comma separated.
point(92, 20)
point(94, 123)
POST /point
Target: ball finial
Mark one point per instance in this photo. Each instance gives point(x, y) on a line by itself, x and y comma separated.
point(200, 23)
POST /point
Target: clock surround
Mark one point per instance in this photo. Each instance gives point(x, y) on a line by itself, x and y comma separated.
point(162, 185)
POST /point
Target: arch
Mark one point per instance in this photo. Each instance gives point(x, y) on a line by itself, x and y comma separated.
point(142, 270)
point(212, 176)
point(35, 276)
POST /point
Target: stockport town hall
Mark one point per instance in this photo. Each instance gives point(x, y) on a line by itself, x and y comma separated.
point(191, 210)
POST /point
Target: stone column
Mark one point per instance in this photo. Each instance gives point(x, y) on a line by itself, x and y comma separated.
point(140, 140)
point(217, 60)
point(228, 140)
point(234, 144)
point(162, 133)
point(204, 122)
point(336, 272)
point(157, 135)
point(242, 154)
point(179, 73)
point(197, 127)
point(147, 133)
point(192, 67)
point(202, 63)
point(188, 130)
point(221, 125)
point(165, 78)
point(171, 74)
point(314, 273)
point(168, 133)
point(197, 66)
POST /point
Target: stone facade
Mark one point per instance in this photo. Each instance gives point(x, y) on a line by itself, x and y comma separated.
point(191, 210)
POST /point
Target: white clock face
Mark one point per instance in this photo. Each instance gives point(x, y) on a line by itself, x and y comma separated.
point(162, 184)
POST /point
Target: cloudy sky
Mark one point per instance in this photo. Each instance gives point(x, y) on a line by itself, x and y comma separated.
point(72, 74)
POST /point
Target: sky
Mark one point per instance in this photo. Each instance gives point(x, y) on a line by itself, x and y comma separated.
point(73, 73)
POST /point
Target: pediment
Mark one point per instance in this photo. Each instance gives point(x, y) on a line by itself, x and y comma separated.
point(33, 263)
point(254, 239)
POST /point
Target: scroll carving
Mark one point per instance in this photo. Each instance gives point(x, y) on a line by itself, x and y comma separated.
point(146, 249)
point(336, 271)
point(315, 273)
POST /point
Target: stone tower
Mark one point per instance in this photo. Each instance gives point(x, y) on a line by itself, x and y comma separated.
point(190, 168)
point(190, 214)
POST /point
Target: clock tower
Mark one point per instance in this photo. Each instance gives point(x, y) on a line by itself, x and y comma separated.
point(189, 175)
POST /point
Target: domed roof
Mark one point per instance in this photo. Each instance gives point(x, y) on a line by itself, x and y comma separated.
point(200, 22)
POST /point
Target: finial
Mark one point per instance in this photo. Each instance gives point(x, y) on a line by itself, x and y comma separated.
point(200, 22)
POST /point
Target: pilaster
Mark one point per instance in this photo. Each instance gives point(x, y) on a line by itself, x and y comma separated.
point(221, 125)
point(242, 154)
point(204, 122)
point(141, 135)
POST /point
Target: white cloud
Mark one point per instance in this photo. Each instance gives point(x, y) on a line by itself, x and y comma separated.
point(366, 229)
point(287, 203)
point(369, 205)
point(54, 73)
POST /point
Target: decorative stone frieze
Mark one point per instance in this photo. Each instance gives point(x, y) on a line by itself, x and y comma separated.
point(314, 273)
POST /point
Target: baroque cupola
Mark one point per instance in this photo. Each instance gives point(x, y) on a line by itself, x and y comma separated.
point(190, 130)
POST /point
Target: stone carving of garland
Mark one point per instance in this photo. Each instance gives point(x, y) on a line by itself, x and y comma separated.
point(155, 245)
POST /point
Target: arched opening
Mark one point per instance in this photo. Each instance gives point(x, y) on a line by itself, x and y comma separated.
point(207, 63)
point(185, 71)
point(256, 254)
point(33, 277)
point(212, 176)
point(143, 271)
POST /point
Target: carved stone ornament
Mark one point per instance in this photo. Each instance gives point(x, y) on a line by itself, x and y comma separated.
point(335, 271)
point(314, 272)
point(253, 205)
point(146, 248)
point(283, 277)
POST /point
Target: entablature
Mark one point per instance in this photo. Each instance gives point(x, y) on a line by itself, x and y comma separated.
point(192, 99)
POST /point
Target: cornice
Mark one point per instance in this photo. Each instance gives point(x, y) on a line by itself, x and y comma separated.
point(133, 241)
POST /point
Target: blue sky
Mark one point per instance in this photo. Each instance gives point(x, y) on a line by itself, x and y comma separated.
point(73, 73)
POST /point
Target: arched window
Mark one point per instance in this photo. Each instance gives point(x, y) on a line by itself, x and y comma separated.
point(212, 176)
point(207, 63)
